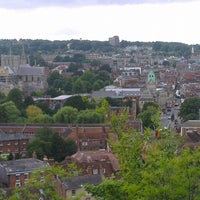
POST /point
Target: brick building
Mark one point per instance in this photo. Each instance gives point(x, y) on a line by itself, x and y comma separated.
point(73, 187)
point(15, 143)
point(16, 172)
point(94, 162)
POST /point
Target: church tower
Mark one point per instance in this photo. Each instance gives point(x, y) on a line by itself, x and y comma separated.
point(151, 81)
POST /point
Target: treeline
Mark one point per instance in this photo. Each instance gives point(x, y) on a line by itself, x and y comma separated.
point(33, 47)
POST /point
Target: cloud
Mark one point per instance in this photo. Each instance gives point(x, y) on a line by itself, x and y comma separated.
point(28, 4)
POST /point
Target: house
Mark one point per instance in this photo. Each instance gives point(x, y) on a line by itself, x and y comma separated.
point(13, 143)
point(190, 127)
point(74, 187)
point(16, 172)
point(94, 162)
point(92, 137)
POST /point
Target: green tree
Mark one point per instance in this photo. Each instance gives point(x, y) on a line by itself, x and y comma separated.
point(104, 76)
point(42, 118)
point(189, 109)
point(148, 104)
point(50, 144)
point(16, 96)
point(79, 102)
point(79, 86)
point(90, 117)
point(2, 97)
point(28, 101)
point(53, 77)
point(150, 117)
point(44, 106)
point(105, 67)
point(53, 92)
point(9, 112)
point(32, 112)
point(150, 168)
point(66, 114)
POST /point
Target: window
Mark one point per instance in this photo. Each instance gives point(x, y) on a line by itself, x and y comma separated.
point(84, 143)
point(17, 177)
point(73, 193)
point(18, 184)
point(95, 171)
point(25, 176)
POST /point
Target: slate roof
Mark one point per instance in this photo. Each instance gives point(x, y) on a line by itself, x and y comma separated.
point(22, 165)
point(191, 123)
point(117, 92)
point(93, 156)
point(28, 70)
point(80, 181)
point(11, 136)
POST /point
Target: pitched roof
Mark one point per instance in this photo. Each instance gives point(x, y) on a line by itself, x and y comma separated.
point(22, 165)
point(28, 70)
point(93, 156)
point(80, 181)
point(191, 123)
point(11, 136)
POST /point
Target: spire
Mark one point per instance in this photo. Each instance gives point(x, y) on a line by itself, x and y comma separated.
point(23, 56)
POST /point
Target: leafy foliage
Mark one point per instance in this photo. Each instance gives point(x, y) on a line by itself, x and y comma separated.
point(50, 144)
point(67, 114)
point(189, 109)
point(9, 112)
point(150, 117)
point(150, 168)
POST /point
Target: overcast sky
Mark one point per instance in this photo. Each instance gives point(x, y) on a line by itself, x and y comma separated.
point(131, 20)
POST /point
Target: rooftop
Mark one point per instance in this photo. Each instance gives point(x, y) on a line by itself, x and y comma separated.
point(11, 136)
point(21, 165)
point(80, 181)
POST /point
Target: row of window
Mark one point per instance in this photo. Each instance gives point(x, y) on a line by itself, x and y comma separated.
point(9, 143)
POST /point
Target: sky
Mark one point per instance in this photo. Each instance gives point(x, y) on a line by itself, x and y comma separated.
point(131, 20)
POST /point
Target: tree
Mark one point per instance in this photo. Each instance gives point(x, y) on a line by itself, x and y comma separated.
point(189, 109)
point(2, 97)
point(9, 112)
point(66, 114)
point(150, 117)
point(105, 67)
point(16, 96)
point(79, 86)
point(90, 117)
point(79, 102)
point(42, 118)
point(148, 104)
point(50, 144)
point(44, 106)
point(53, 77)
point(53, 92)
point(28, 101)
point(102, 107)
point(32, 112)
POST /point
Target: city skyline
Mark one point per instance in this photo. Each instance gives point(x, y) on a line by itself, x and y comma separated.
point(131, 20)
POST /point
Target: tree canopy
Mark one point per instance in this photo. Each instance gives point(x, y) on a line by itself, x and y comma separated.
point(150, 168)
point(189, 109)
point(50, 144)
